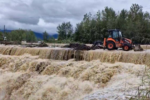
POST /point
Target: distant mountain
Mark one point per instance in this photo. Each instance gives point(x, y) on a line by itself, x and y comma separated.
point(55, 36)
point(37, 34)
point(5, 31)
point(40, 35)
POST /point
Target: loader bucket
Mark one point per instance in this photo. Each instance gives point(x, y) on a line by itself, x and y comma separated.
point(138, 48)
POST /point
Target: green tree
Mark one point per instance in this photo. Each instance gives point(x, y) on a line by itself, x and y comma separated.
point(17, 35)
point(65, 31)
point(137, 24)
point(45, 36)
point(21, 35)
point(122, 20)
point(30, 36)
point(78, 36)
point(51, 39)
point(109, 18)
point(1, 36)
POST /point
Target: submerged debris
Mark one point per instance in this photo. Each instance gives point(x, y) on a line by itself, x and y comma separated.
point(77, 46)
point(41, 44)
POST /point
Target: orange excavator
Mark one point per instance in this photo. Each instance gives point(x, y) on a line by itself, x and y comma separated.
point(115, 41)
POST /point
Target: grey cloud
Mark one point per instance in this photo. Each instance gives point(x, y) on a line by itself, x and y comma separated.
point(26, 14)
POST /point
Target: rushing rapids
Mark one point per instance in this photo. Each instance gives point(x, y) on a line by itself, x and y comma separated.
point(66, 54)
point(32, 78)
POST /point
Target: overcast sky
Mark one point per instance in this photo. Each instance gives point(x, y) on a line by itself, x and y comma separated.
point(46, 15)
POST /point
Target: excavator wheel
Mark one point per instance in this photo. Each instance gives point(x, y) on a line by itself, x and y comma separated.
point(126, 48)
point(110, 45)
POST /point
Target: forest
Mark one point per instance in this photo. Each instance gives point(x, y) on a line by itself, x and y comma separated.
point(134, 24)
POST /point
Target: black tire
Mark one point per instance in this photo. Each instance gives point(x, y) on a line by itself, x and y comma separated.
point(111, 45)
point(126, 48)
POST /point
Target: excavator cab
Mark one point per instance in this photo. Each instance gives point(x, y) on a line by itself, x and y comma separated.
point(115, 34)
point(115, 41)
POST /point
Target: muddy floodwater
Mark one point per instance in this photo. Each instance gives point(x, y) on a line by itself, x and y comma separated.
point(29, 77)
point(67, 74)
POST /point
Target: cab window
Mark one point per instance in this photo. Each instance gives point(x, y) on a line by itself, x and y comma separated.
point(115, 34)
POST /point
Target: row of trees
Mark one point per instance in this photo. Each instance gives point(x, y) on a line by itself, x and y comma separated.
point(18, 36)
point(134, 24)
point(24, 35)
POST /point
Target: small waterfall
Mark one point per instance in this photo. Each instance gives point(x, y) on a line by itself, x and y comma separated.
point(66, 54)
